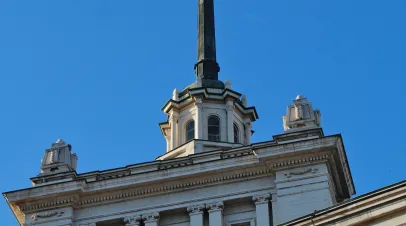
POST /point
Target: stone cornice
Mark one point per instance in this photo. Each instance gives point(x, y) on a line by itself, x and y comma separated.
point(143, 180)
point(143, 192)
point(264, 151)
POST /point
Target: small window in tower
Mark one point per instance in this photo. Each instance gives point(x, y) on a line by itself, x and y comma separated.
point(236, 134)
point(214, 128)
point(190, 131)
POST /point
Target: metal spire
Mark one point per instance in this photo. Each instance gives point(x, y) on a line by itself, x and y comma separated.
point(207, 67)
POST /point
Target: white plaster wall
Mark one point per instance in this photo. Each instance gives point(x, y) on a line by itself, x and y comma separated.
point(301, 191)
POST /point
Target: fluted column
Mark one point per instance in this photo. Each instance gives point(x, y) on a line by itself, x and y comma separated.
point(196, 214)
point(132, 220)
point(151, 219)
point(230, 121)
point(215, 213)
point(262, 209)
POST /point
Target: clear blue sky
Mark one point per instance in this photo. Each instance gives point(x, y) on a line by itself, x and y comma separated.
point(96, 73)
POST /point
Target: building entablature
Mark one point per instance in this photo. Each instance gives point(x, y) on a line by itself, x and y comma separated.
point(214, 167)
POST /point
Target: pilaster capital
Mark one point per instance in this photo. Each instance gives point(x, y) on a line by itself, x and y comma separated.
point(248, 125)
point(195, 209)
point(151, 217)
point(215, 206)
point(259, 199)
point(230, 106)
point(132, 220)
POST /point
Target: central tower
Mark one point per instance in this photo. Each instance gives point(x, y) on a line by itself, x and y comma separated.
point(207, 68)
point(207, 115)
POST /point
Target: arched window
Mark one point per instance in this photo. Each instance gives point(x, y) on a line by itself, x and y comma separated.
point(190, 131)
point(214, 128)
point(236, 134)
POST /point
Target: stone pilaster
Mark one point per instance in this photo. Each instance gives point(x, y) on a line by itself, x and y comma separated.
point(230, 121)
point(262, 209)
point(198, 119)
point(215, 213)
point(196, 214)
point(174, 129)
point(151, 219)
point(247, 131)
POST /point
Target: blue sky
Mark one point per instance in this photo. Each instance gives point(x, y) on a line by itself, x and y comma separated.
point(96, 73)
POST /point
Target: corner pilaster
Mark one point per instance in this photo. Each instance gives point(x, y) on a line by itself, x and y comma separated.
point(199, 119)
point(174, 129)
point(248, 128)
point(230, 113)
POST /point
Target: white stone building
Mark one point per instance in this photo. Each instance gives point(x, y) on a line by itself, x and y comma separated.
point(210, 175)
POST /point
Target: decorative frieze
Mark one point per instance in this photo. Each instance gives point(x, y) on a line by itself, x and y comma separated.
point(147, 191)
point(301, 172)
point(48, 214)
point(261, 198)
point(289, 163)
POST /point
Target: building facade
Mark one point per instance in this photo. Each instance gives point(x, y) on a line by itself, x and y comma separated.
point(211, 174)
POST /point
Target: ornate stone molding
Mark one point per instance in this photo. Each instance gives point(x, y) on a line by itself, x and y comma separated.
point(143, 192)
point(215, 206)
point(196, 209)
point(258, 199)
point(132, 220)
point(151, 217)
point(174, 187)
point(49, 214)
point(301, 172)
point(301, 161)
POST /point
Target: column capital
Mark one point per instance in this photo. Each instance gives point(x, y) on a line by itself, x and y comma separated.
point(196, 209)
point(151, 217)
point(258, 199)
point(215, 206)
point(132, 220)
